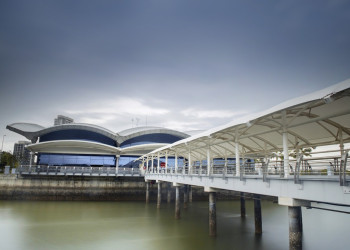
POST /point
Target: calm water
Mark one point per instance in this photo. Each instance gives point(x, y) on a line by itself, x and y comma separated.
point(135, 225)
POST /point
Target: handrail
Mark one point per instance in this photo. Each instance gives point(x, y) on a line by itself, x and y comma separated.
point(77, 170)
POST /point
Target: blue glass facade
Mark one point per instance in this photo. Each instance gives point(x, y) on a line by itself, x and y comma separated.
point(150, 138)
point(77, 134)
point(76, 160)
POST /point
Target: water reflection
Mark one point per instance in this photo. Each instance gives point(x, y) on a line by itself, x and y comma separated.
point(135, 225)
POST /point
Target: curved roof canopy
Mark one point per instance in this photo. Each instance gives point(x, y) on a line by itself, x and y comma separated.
point(138, 131)
point(320, 118)
point(73, 147)
point(77, 146)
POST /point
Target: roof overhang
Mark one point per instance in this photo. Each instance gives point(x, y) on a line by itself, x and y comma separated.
point(141, 149)
point(317, 119)
point(73, 147)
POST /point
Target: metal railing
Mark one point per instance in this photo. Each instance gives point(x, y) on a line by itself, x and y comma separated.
point(322, 167)
point(77, 171)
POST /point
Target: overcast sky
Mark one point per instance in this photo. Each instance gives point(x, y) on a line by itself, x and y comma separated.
point(182, 64)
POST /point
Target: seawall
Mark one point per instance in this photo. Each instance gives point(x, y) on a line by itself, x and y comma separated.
point(63, 188)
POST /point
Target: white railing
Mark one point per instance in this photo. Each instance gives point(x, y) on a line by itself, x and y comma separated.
point(322, 167)
point(77, 170)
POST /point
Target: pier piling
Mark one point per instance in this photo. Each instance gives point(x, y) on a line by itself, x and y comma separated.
point(295, 228)
point(169, 193)
point(185, 196)
point(242, 205)
point(257, 214)
point(159, 196)
point(147, 192)
point(212, 214)
point(177, 202)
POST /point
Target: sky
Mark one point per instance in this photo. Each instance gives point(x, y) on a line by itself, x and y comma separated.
point(181, 64)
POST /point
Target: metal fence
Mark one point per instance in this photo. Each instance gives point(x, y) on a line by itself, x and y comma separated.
point(77, 171)
point(322, 167)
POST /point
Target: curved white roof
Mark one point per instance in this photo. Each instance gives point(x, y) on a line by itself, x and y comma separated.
point(138, 131)
point(28, 127)
point(73, 147)
point(311, 120)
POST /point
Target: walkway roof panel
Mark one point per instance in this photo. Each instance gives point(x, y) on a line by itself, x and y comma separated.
point(312, 120)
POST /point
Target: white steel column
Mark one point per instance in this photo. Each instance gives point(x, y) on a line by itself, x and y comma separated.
point(175, 163)
point(208, 161)
point(225, 166)
point(147, 164)
point(158, 163)
point(285, 147)
point(116, 164)
point(152, 164)
point(189, 162)
point(238, 161)
point(166, 161)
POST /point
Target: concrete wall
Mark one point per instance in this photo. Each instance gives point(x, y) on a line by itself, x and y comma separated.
point(60, 188)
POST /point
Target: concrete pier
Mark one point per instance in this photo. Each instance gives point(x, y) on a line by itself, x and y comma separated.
point(242, 205)
point(212, 214)
point(169, 193)
point(257, 214)
point(186, 196)
point(189, 193)
point(147, 192)
point(159, 196)
point(295, 228)
point(177, 202)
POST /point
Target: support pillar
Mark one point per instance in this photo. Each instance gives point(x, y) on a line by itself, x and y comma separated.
point(285, 147)
point(189, 193)
point(116, 164)
point(177, 203)
point(159, 196)
point(208, 162)
point(175, 163)
point(238, 161)
point(169, 193)
point(257, 214)
point(295, 228)
point(186, 196)
point(158, 164)
point(147, 192)
point(212, 214)
point(242, 205)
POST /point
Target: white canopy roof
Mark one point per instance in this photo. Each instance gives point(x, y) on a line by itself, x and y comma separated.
point(320, 118)
point(73, 147)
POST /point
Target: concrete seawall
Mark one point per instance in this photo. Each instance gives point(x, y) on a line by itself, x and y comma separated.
point(58, 188)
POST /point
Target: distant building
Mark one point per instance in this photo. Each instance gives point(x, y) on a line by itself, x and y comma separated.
point(60, 120)
point(21, 153)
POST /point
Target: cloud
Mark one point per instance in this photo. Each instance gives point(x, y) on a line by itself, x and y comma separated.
point(193, 112)
point(120, 106)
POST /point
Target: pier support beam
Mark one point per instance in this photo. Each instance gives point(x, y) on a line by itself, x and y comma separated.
point(257, 214)
point(147, 192)
point(159, 196)
point(212, 214)
point(186, 196)
point(295, 228)
point(177, 201)
point(242, 205)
